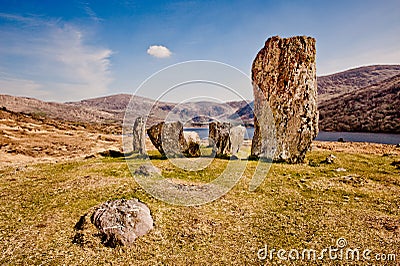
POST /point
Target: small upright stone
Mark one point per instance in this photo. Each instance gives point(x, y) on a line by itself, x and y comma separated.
point(218, 137)
point(285, 98)
point(139, 136)
point(193, 144)
point(236, 137)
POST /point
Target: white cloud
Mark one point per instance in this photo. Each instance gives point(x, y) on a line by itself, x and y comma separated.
point(20, 87)
point(159, 51)
point(52, 61)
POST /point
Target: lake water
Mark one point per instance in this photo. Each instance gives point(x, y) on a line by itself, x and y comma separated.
point(327, 136)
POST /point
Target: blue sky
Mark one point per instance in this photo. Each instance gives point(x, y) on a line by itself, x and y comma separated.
point(71, 50)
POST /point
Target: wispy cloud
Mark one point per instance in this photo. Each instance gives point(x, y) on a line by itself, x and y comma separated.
point(89, 11)
point(159, 51)
point(51, 60)
point(20, 87)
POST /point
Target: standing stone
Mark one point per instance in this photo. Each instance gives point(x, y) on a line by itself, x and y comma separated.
point(218, 137)
point(285, 98)
point(236, 137)
point(212, 134)
point(139, 136)
point(168, 138)
point(154, 134)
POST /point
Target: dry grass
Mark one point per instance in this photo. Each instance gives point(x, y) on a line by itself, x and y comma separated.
point(297, 206)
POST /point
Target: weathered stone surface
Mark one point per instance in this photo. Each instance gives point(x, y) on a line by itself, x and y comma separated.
point(191, 136)
point(168, 138)
point(236, 137)
point(117, 223)
point(285, 92)
point(193, 144)
point(139, 136)
point(218, 137)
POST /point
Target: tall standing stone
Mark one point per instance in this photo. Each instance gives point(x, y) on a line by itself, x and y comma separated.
point(285, 98)
point(139, 136)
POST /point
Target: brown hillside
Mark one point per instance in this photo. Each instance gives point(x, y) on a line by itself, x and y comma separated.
point(375, 108)
point(334, 85)
point(55, 110)
point(27, 138)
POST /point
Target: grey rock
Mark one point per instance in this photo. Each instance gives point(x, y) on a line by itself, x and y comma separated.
point(193, 144)
point(139, 136)
point(218, 137)
point(154, 134)
point(147, 170)
point(285, 93)
point(192, 136)
point(236, 137)
point(169, 140)
point(117, 223)
point(329, 159)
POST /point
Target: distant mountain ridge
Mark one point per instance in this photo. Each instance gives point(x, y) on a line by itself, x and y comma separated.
point(111, 109)
point(360, 99)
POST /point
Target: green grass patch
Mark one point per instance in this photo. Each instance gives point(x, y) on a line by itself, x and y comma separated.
point(297, 206)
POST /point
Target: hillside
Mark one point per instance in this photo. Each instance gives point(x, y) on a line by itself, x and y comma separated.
point(375, 108)
point(347, 81)
point(28, 137)
point(55, 110)
point(111, 109)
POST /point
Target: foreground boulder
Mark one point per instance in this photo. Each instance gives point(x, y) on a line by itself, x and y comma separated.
point(117, 223)
point(285, 98)
point(139, 136)
point(218, 137)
